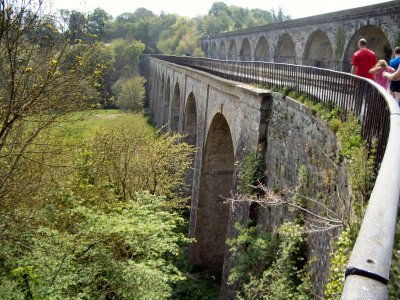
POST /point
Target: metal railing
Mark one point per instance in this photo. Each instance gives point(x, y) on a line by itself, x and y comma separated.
point(379, 116)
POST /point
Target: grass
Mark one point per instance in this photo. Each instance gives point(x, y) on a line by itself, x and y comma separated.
point(83, 125)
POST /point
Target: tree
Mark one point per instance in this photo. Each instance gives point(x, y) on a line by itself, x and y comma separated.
point(143, 13)
point(130, 93)
point(98, 23)
point(127, 57)
point(279, 16)
point(43, 79)
point(179, 38)
point(216, 24)
point(219, 8)
point(77, 27)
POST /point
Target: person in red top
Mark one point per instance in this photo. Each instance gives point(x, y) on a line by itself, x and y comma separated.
point(363, 60)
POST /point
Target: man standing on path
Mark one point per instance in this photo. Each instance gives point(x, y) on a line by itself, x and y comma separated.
point(363, 60)
point(394, 63)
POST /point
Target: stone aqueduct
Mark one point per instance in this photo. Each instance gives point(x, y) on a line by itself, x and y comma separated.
point(326, 41)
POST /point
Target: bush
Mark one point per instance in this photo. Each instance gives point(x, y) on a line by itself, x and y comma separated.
point(130, 93)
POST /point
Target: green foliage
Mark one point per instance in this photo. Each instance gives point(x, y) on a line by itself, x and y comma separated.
point(222, 18)
point(349, 136)
point(47, 79)
point(100, 248)
point(25, 278)
point(126, 55)
point(361, 174)
point(198, 53)
point(99, 24)
point(130, 93)
point(361, 167)
point(253, 252)
point(339, 258)
point(271, 266)
point(92, 230)
point(172, 34)
point(251, 172)
point(286, 90)
point(334, 125)
point(179, 38)
point(132, 158)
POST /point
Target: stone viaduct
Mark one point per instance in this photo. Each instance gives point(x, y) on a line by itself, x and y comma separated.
point(326, 41)
point(224, 120)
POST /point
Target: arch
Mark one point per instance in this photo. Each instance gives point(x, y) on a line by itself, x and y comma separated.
point(175, 108)
point(214, 53)
point(285, 51)
point(262, 50)
point(165, 110)
point(245, 50)
point(232, 50)
point(377, 41)
point(190, 131)
point(319, 51)
point(190, 123)
point(215, 182)
point(206, 51)
point(222, 51)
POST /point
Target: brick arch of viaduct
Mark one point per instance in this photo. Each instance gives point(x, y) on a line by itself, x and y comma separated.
point(326, 40)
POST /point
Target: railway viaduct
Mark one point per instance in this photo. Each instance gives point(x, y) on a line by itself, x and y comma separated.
point(326, 41)
point(226, 120)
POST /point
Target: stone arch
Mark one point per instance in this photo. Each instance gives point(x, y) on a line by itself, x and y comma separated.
point(222, 51)
point(262, 50)
point(190, 131)
point(206, 51)
point(190, 123)
point(175, 108)
point(214, 53)
point(232, 50)
point(167, 95)
point(245, 50)
point(319, 51)
point(215, 182)
point(285, 51)
point(377, 41)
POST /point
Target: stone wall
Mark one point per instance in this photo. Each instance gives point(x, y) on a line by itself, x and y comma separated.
point(295, 138)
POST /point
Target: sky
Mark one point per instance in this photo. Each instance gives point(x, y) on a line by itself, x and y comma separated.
point(294, 8)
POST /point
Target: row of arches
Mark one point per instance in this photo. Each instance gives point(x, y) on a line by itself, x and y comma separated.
point(217, 163)
point(319, 50)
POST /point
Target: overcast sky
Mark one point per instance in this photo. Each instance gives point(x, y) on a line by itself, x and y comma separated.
point(294, 8)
